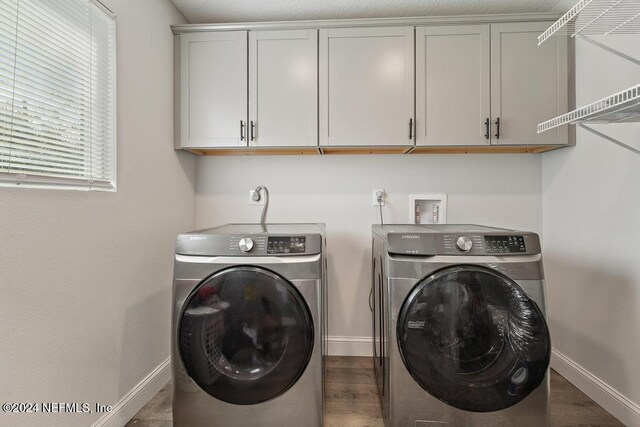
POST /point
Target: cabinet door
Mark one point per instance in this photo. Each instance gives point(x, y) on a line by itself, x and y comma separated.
point(213, 89)
point(452, 85)
point(283, 88)
point(366, 86)
point(529, 83)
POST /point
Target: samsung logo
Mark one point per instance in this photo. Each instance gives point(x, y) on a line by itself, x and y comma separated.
point(410, 236)
point(197, 237)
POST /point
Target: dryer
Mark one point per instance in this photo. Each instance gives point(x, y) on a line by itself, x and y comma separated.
point(460, 334)
point(248, 324)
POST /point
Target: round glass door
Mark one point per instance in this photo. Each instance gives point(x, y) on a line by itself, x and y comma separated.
point(245, 335)
point(472, 338)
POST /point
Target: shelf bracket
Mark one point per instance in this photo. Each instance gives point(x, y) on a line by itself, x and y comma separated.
point(608, 138)
point(610, 50)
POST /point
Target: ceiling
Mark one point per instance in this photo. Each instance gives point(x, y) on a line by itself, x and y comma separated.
point(216, 11)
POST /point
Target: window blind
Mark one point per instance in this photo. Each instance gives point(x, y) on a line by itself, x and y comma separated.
point(57, 94)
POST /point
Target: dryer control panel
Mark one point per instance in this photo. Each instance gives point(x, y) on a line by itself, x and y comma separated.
point(249, 244)
point(253, 240)
point(286, 245)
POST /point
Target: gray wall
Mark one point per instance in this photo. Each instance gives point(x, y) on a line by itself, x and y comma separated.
point(591, 220)
point(501, 190)
point(85, 280)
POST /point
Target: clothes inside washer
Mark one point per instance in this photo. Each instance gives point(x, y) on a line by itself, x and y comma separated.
point(472, 337)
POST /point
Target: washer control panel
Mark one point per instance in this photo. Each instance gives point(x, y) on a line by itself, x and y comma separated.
point(504, 244)
point(286, 245)
point(462, 244)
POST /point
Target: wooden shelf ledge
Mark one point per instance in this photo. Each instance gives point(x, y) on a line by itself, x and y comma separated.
point(240, 151)
point(299, 151)
point(365, 150)
point(487, 149)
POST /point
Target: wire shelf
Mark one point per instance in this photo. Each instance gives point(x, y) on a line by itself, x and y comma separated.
point(621, 107)
point(597, 17)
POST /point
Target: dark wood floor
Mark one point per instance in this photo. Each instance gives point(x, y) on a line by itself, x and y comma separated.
point(352, 400)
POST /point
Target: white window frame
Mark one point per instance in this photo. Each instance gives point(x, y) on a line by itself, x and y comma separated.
point(106, 142)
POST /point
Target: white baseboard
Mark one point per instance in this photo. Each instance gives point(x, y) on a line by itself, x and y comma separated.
point(137, 397)
point(350, 346)
point(618, 405)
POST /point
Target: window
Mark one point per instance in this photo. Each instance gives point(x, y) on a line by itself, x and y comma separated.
point(57, 94)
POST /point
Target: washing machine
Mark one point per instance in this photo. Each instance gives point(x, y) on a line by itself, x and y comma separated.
point(459, 327)
point(248, 324)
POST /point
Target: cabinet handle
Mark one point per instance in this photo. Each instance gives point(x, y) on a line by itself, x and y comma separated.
point(251, 130)
point(410, 128)
point(241, 130)
point(498, 128)
point(487, 124)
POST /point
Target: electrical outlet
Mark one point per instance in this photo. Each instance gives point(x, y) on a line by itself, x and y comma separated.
point(252, 202)
point(375, 194)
